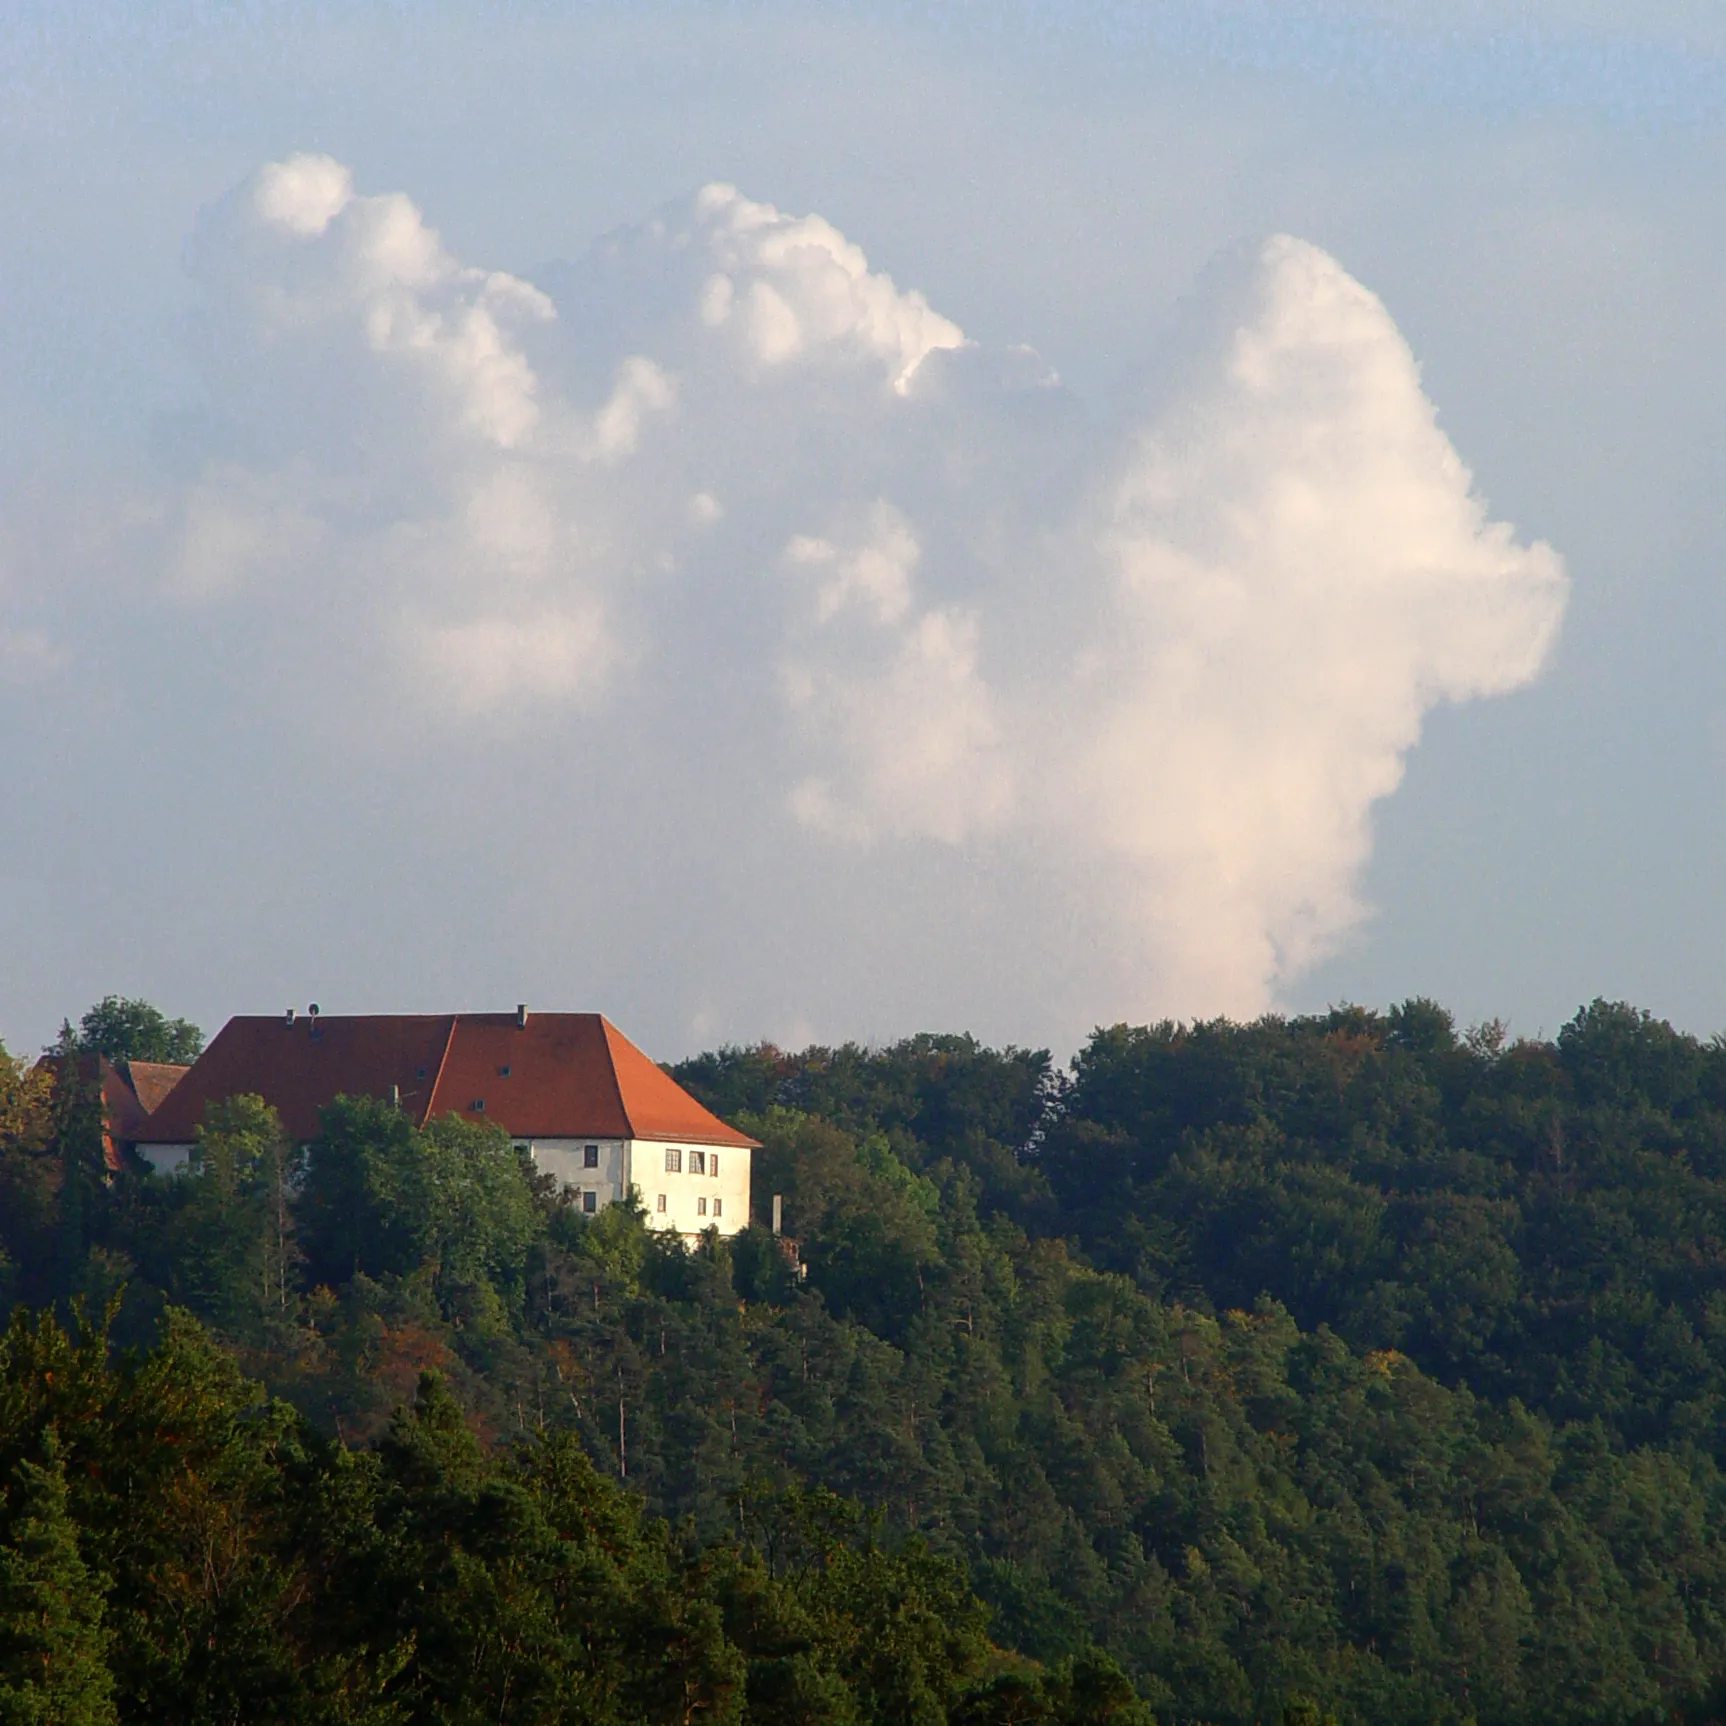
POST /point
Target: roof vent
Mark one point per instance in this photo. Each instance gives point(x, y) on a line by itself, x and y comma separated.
point(521, 1014)
point(290, 1017)
point(312, 1010)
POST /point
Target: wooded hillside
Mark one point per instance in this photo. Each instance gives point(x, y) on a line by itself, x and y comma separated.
point(1341, 1360)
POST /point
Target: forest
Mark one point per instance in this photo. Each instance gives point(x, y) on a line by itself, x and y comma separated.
point(1350, 1367)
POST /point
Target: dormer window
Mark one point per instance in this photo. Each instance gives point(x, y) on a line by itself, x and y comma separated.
point(479, 1105)
point(503, 1072)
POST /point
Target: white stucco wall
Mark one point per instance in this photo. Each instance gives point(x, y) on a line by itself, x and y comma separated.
point(566, 1159)
point(689, 1197)
point(693, 1202)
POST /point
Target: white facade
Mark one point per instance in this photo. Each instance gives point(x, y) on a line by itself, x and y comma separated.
point(687, 1187)
point(606, 1175)
point(708, 1188)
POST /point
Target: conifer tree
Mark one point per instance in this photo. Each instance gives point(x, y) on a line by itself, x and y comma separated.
point(53, 1645)
point(78, 1139)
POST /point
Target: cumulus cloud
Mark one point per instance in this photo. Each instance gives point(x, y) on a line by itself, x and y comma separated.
point(722, 515)
point(1300, 569)
point(890, 694)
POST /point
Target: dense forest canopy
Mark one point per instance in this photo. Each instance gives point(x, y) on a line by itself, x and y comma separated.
point(1331, 1365)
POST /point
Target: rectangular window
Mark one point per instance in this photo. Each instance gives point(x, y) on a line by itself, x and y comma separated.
point(698, 1162)
point(701, 1207)
point(673, 1162)
point(661, 1205)
point(590, 1202)
point(590, 1156)
point(479, 1105)
point(716, 1204)
point(713, 1162)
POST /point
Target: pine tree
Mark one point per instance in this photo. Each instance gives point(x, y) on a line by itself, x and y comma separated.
point(53, 1645)
point(78, 1138)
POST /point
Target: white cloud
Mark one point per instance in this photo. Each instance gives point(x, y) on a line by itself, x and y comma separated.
point(1300, 570)
point(791, 285)
point(721, 518)
point(303, 194)
point(891, 694)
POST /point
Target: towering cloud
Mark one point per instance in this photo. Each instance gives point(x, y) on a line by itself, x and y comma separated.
point(720, 514)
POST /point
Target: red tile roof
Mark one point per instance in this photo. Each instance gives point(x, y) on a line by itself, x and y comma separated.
point(561, 1075)
point(153, 1080)
point(128, 1091)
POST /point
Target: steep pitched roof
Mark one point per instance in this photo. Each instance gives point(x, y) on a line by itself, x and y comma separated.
point(153, 1080)
point(658, 1107)
point(129, 1091)
point(300, 1065)
point(561, 1075)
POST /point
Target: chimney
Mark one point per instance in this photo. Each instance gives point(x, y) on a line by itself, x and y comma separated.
point(778, 1212)
point(521, 1015)
point(290, 1017)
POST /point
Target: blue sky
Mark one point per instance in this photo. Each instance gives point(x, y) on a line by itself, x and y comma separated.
point(207, 811)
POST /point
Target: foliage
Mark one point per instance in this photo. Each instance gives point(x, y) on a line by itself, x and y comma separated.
point(196, 1553)
point(1333, 1368)
point(53, 1644)
point(127, 1030)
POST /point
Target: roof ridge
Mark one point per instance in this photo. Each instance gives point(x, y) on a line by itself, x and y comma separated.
point(606, 1032)
point(437, 1077)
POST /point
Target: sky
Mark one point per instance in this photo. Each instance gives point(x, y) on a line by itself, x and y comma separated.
point(791, 522)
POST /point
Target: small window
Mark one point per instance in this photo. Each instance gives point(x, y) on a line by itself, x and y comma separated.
point(701, 1207)
point(479, 1105)
point(698, 1162)
point(420, 1074)
point(590, 1202)
point(661, 1205)
point(717, 1204)
point(523, 1147)
point(590, 1156)
point(713, 1162)
point(674, 1162)
point(503, 1072)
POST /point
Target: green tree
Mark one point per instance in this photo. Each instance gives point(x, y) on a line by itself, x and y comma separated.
point(229, 1239)
point(381, 1198)
point(28, 1177)
point(124, 1029)
point(78, 1130)
point(53, 1644)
